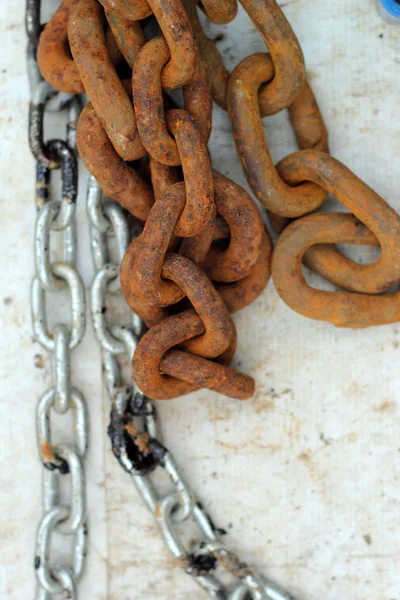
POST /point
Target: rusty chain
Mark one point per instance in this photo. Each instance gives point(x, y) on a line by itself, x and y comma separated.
point(202, 251)
point(260, 86)
point(172, 139)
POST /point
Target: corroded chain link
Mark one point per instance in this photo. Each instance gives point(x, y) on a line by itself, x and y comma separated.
point(64, 516)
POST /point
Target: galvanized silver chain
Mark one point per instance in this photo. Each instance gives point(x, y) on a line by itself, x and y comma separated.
point(63, 514)
point(135, 435)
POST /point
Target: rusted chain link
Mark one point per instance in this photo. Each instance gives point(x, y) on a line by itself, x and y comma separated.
point(341, 308)
point(288, 74)
point(243, 107)
point(100, 80)
point(147, 88)
point(220, 11)
point(118, 179)
point(54, 59)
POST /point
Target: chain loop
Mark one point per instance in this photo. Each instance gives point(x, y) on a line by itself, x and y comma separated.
point(104, 336)
point(48, 454)
point(40, 96)
point(45, 576)
point(102, 84)
point(44, 225)
point(77, 503)
point(94, 206)
point(77, 295)
point(184, 496)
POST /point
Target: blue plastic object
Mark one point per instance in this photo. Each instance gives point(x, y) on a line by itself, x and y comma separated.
point(392, 7)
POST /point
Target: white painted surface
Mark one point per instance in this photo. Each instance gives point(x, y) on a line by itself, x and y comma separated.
point(305, 476)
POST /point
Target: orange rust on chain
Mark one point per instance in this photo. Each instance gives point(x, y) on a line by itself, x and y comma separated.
point(147, 91)
point(150, 315)
point(197, 97)
point(197, 247)
point(154, 242)
point(204, 251)
point(276, 195)
point(46, 453)
point(131, 10)
point(308, 123)
point(363, 202)
point(166, 332)
point(325, 259)
point(236, 296)
point(288, 69)
point(218, 74)
point(175, 25)
point(246, 233)
point(54, 57)
point(164, 363)
point(239, 294)
point(145, 257)
point(341, 308)
point(152, 247)
point(128, 36)
point(197, 173)
point(102, 84)
point(211, 375)
point(245, 245)
point(220, 11)
point(328, 262)
point(289, 73)
point(311, 134)
point(117, 179)
point(162, 177)
point(112, 46)
point(207, 304)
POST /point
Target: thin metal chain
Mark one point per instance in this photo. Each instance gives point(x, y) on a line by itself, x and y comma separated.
point(135, 435)
point(61, 516)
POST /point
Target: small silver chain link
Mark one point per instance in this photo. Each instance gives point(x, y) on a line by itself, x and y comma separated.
point(61, 516)
point(134, 428)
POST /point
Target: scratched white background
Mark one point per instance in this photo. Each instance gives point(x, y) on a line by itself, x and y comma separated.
point(305, 476)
